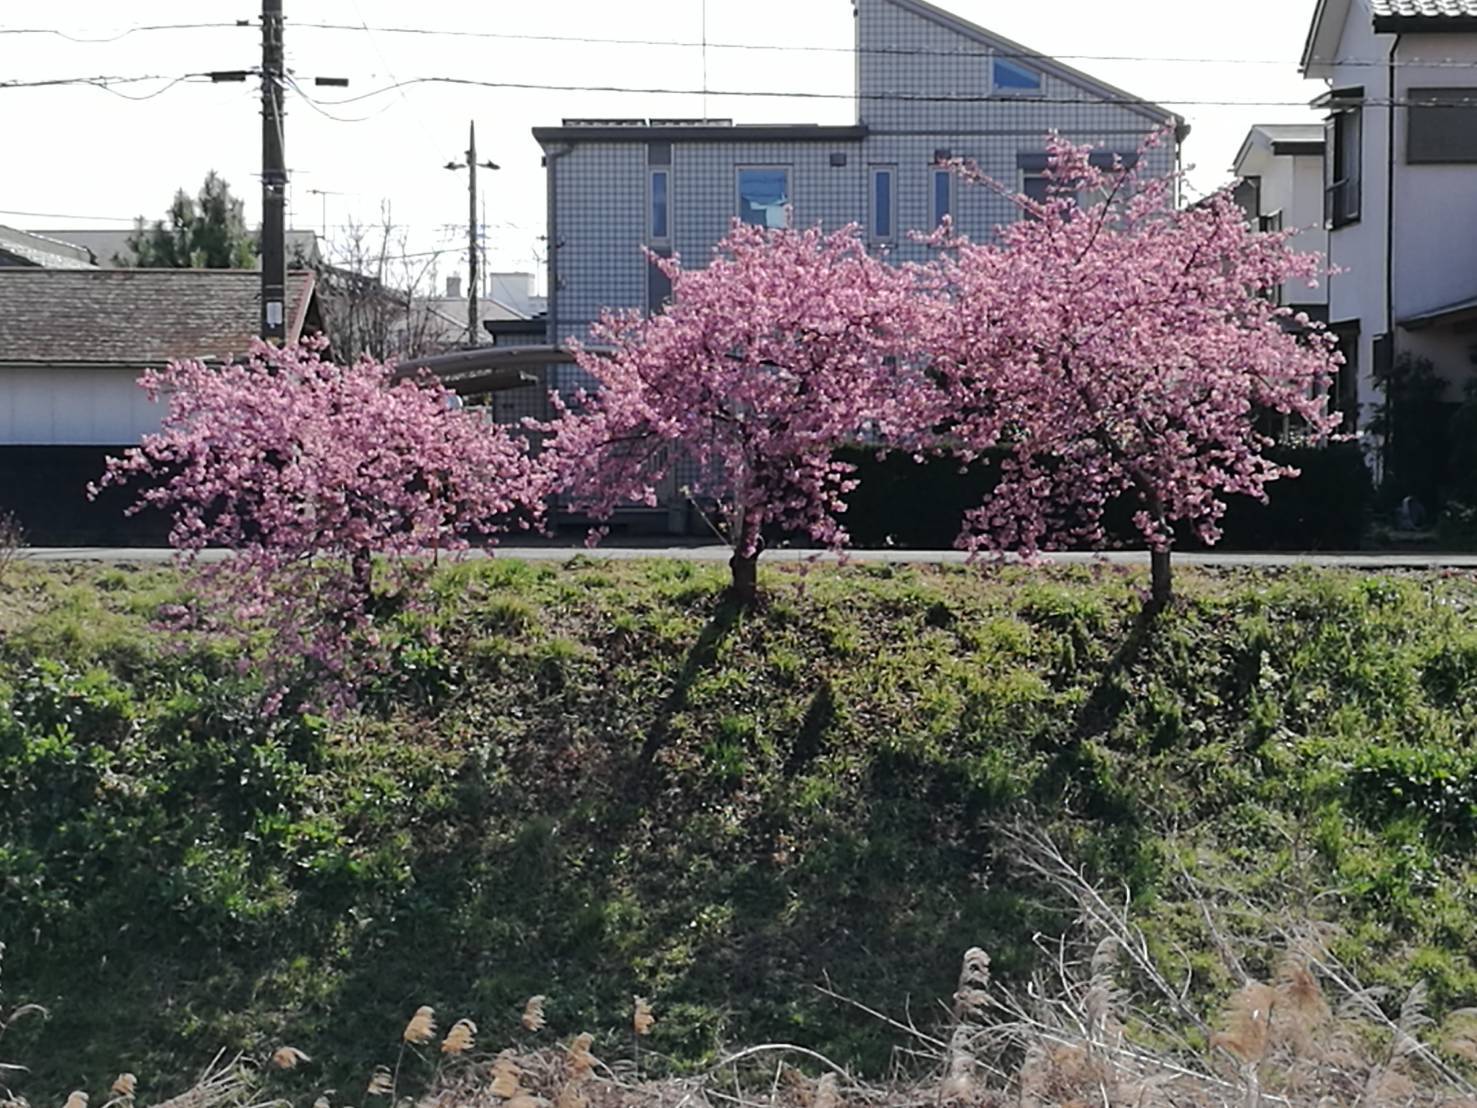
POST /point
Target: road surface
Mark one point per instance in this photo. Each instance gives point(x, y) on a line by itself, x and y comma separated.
point(1385, 560)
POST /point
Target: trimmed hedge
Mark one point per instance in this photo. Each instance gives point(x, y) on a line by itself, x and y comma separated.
point(921, 505)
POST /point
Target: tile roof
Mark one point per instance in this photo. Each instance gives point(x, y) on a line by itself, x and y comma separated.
point(135, 317)
point(1424, 9)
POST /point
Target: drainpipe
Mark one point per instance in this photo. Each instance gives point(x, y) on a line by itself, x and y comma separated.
point(1389, 229)
point(1390, 203)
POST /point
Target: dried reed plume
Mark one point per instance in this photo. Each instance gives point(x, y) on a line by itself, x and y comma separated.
point(533, 1013)
point(381, 1082)
point(642, 1019)
point(460, 1038)
point(77, 1099)
point(505, 1075)
point(581, 1061)
point(288, 1058)
point(124, 1085)
point(422, 1026)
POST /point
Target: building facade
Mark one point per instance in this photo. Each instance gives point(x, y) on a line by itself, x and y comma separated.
point(1279, 169)
point(930, 86)
point(1400, 183)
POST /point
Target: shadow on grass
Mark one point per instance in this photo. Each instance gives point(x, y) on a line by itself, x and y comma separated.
point(701, 657)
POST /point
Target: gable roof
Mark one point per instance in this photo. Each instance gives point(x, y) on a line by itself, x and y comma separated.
point(1045, 62)
point(106, 242)
point(1390, 17)
point(1281, 140)
point(1324, 33)
point(30, 248)
point(136, 317)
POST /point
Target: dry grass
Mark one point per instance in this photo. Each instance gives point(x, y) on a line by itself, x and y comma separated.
point(1105, 1026)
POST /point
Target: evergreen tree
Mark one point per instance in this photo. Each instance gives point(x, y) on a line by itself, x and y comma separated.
point(207, 232)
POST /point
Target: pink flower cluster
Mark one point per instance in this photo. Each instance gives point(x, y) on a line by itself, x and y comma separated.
point(308, 471)
point(787, 345)
point(1109, 344)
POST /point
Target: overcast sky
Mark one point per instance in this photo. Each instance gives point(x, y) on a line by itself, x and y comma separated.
point(75, 152)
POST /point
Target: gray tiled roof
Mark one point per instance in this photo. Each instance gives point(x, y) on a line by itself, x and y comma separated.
point(134, 316)
point(1432, 9)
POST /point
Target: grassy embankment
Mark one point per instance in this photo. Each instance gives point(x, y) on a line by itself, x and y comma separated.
point(596, 780)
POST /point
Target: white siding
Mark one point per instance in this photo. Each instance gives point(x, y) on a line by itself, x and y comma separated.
point(48, 406)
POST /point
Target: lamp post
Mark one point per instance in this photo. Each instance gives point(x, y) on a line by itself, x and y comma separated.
point(472, 165)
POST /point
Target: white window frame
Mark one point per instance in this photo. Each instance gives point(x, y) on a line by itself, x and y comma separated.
point(1017, 93)
point(652, 237)
point(935, 216)
point(738, 195)
point(872, 172)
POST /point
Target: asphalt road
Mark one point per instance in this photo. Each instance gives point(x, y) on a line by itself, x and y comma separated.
point(712, 553)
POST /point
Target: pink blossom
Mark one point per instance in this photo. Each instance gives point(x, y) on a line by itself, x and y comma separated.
point(306, 471)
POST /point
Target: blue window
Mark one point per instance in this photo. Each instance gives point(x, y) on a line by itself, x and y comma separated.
point(943, 194)
point(882, 204)
point(764, 196)
point(659, 204)
point(1013, 79)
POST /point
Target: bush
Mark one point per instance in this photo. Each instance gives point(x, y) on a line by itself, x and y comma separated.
point(921, 505)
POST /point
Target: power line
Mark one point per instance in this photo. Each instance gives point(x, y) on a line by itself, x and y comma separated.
point(904, 51)
point(101, 81)
point(1466, 102)
point(69, 215)
point(121, 34)
point(893, 97)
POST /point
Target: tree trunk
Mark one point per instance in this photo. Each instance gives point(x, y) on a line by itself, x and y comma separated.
point(745, 586)
point(363, 569)
point(1161, 589)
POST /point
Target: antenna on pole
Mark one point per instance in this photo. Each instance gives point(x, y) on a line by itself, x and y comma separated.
point(705, 59)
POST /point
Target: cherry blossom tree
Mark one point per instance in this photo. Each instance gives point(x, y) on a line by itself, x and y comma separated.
point(789, 344)
point(1113, 344)
point(306, 471)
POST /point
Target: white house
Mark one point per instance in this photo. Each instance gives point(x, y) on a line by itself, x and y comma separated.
point(1280, 168)
point(1400, 169)
point(72, 345)
point(930, 86)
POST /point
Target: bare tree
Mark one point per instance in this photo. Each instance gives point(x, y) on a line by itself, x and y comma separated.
point(375, 294)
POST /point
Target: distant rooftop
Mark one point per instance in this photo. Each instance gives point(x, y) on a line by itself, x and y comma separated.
point(135, 317)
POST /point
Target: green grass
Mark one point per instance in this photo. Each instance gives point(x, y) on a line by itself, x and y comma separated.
point(598, 780)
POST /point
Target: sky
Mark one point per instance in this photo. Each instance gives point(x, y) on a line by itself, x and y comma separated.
point(69, 152)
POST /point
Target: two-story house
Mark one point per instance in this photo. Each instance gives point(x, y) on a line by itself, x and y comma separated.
point(1400, 177)
point(929, 86)
point(1280, 172)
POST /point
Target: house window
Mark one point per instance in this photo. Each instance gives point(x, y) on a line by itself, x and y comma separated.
point(1341, 166)
point(1036, 186)
point(1442, 126)
point(943, 194)
point(764, 196)
point(883, 204)
point(1008, 78)
point(659, 229)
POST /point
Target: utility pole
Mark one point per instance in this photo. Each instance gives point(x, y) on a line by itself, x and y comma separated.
point(471, 166)
point(274, 178)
